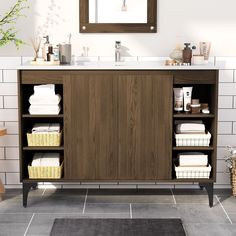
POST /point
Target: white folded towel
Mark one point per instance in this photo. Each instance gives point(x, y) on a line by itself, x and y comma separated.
point(46, 128)
point(193, 159)
point(46, 159)
point(45, 100)
point(190, 128)
point(45, 89)
point(44, 109)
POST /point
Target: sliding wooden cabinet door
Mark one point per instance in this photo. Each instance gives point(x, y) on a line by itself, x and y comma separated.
point(91, 126)
point(145, 126)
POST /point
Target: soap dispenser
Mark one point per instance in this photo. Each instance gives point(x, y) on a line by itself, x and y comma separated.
point(45, 48)
point(187, 54)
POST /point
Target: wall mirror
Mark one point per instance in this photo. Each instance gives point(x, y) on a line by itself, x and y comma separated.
point(118, 16)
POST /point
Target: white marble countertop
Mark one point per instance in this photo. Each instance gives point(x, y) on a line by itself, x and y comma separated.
point(111, 65)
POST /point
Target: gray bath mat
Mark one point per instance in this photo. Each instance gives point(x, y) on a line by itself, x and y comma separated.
point(117, 227)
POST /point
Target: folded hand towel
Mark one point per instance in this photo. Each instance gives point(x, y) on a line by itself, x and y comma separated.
point(190, 128)
point(46, 159)
point(46, 128)
point(45, 89)
point(44, 109)
point(44, 100)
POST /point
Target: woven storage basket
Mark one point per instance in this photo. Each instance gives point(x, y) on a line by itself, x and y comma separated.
point(233, 178)
point(45, 172)
point(193, 139)
point(184, 172)
point(49, 139)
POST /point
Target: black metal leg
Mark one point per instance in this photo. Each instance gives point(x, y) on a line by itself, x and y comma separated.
point(209, 188)
point(200, 186)
point(26, 189)
point(34, 186)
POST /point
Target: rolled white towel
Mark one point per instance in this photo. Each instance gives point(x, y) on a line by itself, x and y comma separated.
point(44, 109)
point(45, 89)
point(45, 100)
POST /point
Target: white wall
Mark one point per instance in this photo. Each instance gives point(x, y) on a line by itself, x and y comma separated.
point(178, 21)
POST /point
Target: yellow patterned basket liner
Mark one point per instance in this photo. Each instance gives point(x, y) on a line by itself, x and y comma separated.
point(45, 172)
point(48, 139)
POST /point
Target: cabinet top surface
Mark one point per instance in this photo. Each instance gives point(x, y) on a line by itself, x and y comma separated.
point(109, 65)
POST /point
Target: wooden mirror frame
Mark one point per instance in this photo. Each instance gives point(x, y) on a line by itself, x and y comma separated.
point(149, 27)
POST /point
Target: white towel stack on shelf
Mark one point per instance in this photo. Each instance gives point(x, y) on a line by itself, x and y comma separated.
point(46, 159)
point(46, 128)
point(44, 101)
point(192, 159)
point(190, 127)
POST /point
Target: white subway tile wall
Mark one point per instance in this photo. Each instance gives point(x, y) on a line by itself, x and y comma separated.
point(9, 153)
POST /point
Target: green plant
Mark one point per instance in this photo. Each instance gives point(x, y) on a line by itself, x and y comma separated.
point(8, 32)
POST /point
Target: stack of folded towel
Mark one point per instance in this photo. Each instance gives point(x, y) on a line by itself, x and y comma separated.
point(46, 159)
point(44, 100)
point(190, 127)
point(193, 159)
point(46, 128)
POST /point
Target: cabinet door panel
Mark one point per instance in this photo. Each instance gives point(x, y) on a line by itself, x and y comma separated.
point(91, 127)
point(145, 126)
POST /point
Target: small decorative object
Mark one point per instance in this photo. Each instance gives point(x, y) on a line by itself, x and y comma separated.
point(230, 159)
point(8, 32)
point(195, 106)
point(205, 108)
point(198, 60)
point(36, 42)
point(187, 53)
point(177, 54)
point(205, 48)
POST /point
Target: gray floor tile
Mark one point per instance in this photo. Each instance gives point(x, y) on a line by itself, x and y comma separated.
point(155, 211)
point(130, 196)
point(210, 229)
point(59, 204)
point(228, 202)
point(199, 213)
point(223, 191)
point(14, 224)
point(192, 196)
point(42, 223)
point(107, 208)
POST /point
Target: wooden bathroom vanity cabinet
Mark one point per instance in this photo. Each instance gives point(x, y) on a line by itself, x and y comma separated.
point(118, 124)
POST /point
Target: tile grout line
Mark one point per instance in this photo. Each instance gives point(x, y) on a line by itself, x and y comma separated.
point(85, 200)
point(130, 211)
point(43, 192)
point(173, 196)
point(224, 210)
point(29, 224)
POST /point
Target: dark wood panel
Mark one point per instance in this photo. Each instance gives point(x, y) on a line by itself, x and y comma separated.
point(195, 77)
point(163, 107)
point(90, 127)
point(140, 124)
point(42, 77)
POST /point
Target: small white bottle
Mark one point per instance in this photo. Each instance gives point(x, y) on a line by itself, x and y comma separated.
point(45, 48)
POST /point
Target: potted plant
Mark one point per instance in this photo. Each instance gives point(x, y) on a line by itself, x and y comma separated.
point(8, 32)
point(230, 159)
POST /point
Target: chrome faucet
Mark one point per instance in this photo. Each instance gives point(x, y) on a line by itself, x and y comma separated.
point(118, 51)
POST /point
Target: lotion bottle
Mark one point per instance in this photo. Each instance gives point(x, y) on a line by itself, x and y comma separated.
point(187, 54)
point(45, 48)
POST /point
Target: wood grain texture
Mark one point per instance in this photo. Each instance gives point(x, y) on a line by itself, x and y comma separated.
point(91, 127)
point(142, 126)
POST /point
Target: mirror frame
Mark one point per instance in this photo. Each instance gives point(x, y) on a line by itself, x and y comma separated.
point(149, 27)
